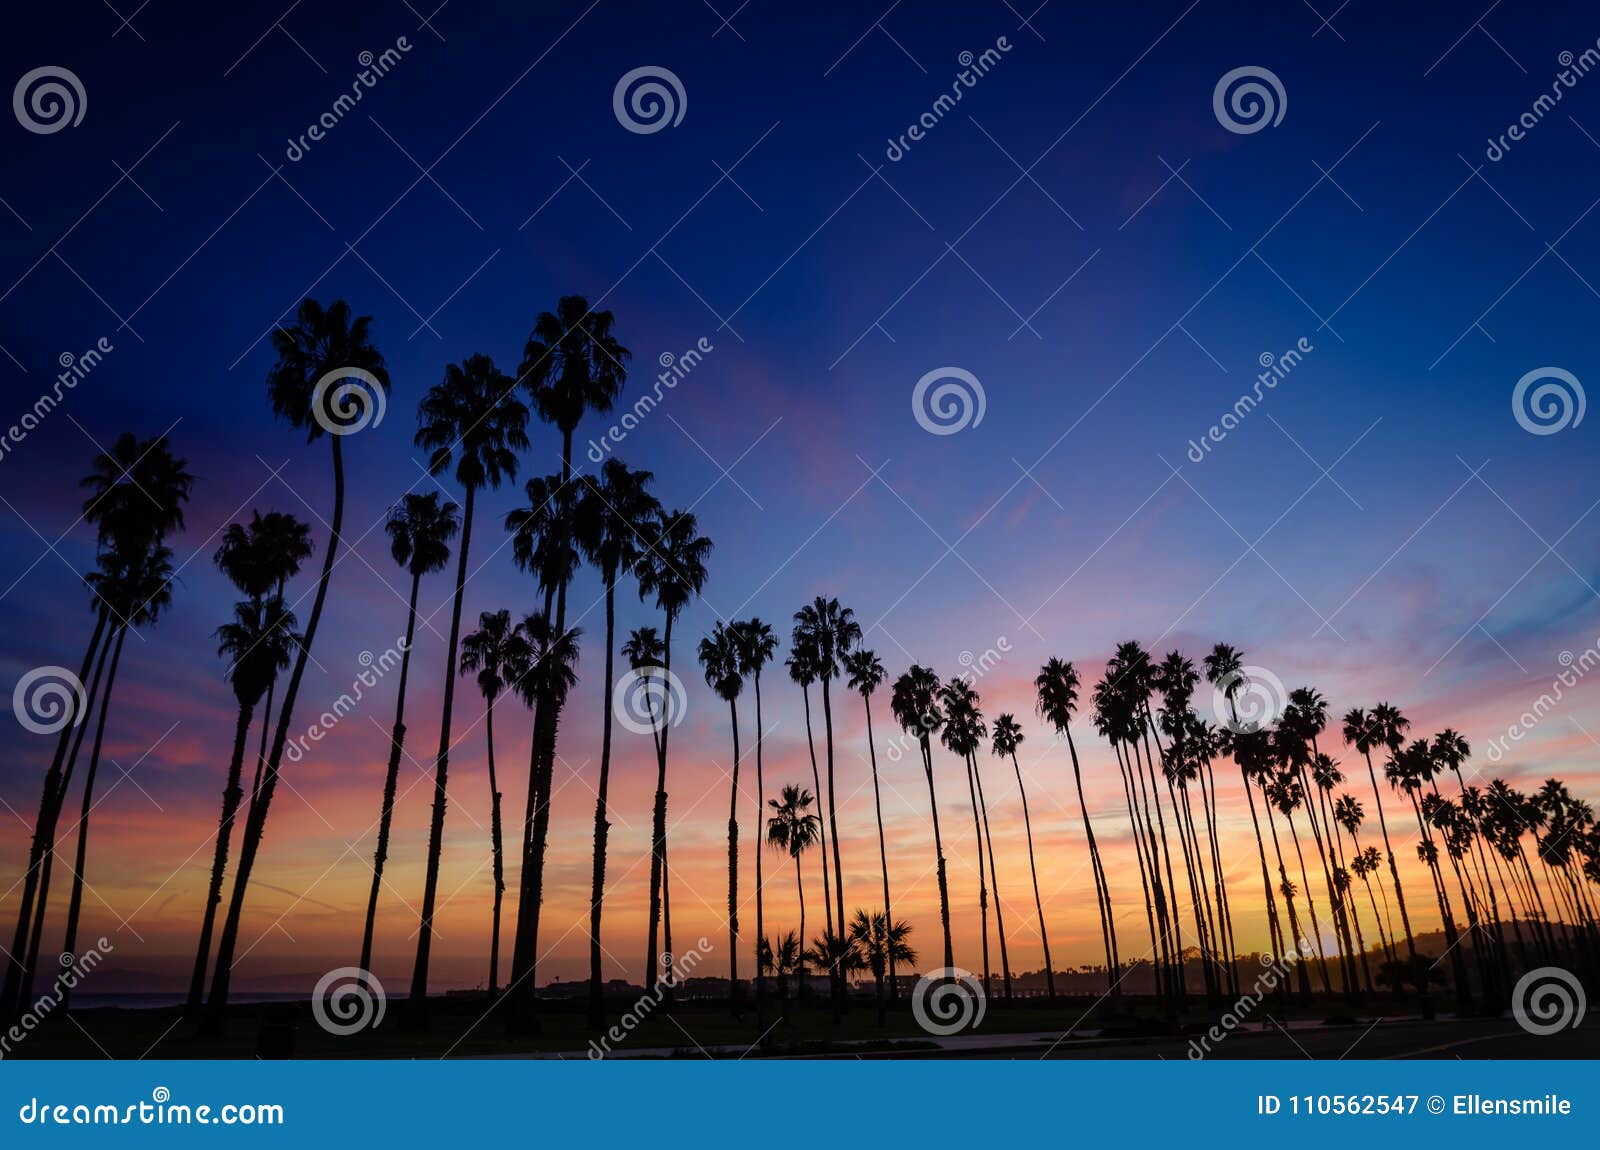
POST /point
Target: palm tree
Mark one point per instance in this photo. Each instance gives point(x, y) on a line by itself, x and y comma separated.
point(1385, 727)
point(866, 675)
point(158, 483)
point(914, 701)
point(1408, 768)
point(472, 419)
point(324, 346)
point(802, 664)
point(673, 569)
point(831, 631)
point(141, 591)
point(1057, 688)
point(964, 730)
point(786, 959)
point(756, 646)
point(1007, 737)
point(1224, 668)
point(881, 943)
point(608, 507)
point(258, 643)
point(420, 528)
point(719, 659)
point(572, 364)
point(498, 654)
point(793, 828)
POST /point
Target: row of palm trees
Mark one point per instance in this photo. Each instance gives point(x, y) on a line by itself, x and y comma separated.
point(474, 426)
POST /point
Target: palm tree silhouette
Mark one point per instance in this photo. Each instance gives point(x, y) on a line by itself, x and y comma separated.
point(830, 631)
point(914, 701)
point(756, 645)
point(137, 491)
point(258, 644)
point(1385, 727)
point(673, 570)
point(321, 342)
point(866, 675)
point(793, 828)
point(420, 528)
point(470, 418)
point(964, 732)
point(719, 659)
point(140, 591)
point(786, 959)
point(1057, 688)
point(572, 364)
point(1408, 768)
point(497, 653)
point(880, 942)
point(802, 664)
point(604, 519)
point(1007, 737)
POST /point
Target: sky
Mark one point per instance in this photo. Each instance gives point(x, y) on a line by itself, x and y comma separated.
point(1081, 234)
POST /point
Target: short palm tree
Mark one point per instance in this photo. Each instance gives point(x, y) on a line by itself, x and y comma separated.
point(881, 942)
point(914, 701)
point(720, 660)
point(420, 528)
point(322, 341)
point(794, 829)
point(258, 643)
point(497, 654)
point(472, 419)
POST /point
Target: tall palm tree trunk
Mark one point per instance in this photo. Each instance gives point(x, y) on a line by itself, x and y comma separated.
point(602, 827)
point(1208, 781)
point(441, 772)
point(1294, 919)
point(994, 879)
point(1157, 945)
point(983, 886)
point(75, 902)
point(391, 778)
point(733, 867)
point(883, 850)
point(938, 849)
point(833, 817)
point(1274, 927)
point(1102, 893)
point(1394, 871)
point(497, 845)
point(266, 730)
point(761, 806)
point(28, 959)
point(1166, 913)
point(658, 824)
point(1457, 964)
point(231, 796)
point(1311, 903)
point(1033, 871)
point(800, 968)
point(255, 822)
point(822, 839)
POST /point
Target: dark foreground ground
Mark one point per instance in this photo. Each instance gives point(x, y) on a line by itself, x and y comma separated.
point(474, 1027)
